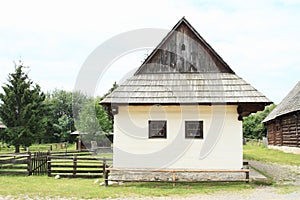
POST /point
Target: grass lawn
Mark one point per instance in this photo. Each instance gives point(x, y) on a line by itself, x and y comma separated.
point(255, 151)
point(43, 186)
point(48, 187)
point(38, 147)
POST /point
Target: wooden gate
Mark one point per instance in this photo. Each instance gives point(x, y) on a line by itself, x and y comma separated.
point(38, 163)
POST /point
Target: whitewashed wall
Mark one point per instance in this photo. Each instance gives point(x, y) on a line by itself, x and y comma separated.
point(221, 147)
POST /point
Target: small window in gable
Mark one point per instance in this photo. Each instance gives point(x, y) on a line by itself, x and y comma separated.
point(157, 129)
point(194, 129)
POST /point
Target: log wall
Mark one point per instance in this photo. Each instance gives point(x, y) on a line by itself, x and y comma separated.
point(284, 130)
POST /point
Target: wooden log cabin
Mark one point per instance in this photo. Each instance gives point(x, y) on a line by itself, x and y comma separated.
point(283, 123)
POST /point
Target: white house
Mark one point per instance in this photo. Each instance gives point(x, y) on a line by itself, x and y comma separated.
point(182, 109)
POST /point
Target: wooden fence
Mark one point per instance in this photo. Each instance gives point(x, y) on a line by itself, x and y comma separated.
point(73, 164)
point(77, 165)
point(15, 164)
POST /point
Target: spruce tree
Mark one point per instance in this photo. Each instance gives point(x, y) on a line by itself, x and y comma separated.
point(22, 110)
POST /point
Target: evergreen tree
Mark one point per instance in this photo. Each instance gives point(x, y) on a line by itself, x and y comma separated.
point(22, 110)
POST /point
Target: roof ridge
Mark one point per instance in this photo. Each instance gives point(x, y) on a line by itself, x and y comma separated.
point(288, 104)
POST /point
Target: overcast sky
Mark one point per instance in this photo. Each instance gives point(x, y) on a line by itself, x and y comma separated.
point(259, 39)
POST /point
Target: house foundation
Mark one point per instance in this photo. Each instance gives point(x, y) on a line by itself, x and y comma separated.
point(179, 175)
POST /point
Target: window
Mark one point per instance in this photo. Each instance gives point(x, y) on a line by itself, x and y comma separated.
point(157, 129)
point(194, 129)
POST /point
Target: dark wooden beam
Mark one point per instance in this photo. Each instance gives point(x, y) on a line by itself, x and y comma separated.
point(245, 110)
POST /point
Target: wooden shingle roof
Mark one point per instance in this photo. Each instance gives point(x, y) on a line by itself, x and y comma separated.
point(291, 103)
point(201, 88)
point(184, 69)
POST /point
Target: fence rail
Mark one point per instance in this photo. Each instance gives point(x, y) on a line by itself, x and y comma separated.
point(77, 166)
point(83, 164)
point(15, 164)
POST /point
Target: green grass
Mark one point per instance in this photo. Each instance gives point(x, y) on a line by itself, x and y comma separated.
point(259, 152)
point(43, 186)
point(38, 147)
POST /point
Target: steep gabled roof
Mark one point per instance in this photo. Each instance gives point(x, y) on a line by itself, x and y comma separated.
point(291, 103)
point(183, 42)
point(184, 68)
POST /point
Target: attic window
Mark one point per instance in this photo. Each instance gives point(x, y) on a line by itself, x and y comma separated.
point(194, 129)
point(157, 129)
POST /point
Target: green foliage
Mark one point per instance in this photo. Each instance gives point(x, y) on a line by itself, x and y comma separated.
point(103, 117)
point(63, 128)
point(253, 127)
point(60, 117)
point(32, 116)
point(66, 108)
point(93, 122)
point(22, 110)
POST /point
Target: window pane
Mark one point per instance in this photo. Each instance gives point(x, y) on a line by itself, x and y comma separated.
point(194, 129)
point(157, 129)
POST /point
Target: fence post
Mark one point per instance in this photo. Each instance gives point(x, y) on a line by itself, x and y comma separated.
point(34, 163)
point(49, 165)
point(103, 167)
point(105, 173)
point(74, 164)
point(46, 163)
point(247, 177)
point(29, 163)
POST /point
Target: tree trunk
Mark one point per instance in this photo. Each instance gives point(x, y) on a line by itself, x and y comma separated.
point(17, 149)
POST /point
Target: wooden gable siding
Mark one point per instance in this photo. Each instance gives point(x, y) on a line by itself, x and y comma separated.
point(184, 51)
point(284, 130)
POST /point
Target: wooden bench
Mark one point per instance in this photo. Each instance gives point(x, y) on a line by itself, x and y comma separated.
point(174, 171)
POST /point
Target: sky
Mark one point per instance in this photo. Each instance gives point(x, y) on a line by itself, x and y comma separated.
point(259, 39)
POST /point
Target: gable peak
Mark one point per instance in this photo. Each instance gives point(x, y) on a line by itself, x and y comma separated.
point(183, 50)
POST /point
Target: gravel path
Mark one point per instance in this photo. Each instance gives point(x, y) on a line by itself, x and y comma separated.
point(281, 174)
point(261, 193)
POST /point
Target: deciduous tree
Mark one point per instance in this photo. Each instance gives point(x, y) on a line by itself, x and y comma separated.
point(253, 127)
